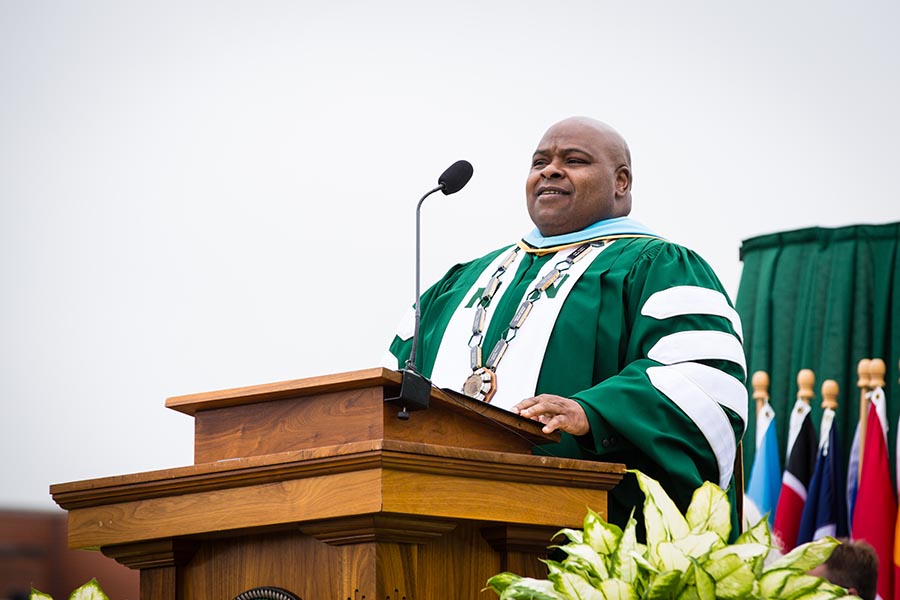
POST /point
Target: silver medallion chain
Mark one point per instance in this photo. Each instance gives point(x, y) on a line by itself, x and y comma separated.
point(477, 338)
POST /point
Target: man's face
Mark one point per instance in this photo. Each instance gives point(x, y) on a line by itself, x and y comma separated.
point(573, 179)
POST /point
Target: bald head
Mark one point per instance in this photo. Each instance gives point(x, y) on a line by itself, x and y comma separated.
point(615, 143)
point(580, 174)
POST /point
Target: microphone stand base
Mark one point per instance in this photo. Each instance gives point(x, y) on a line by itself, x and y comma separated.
point(415, 393)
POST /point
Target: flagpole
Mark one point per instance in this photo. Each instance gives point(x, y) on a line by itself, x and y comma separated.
point(862, 382)
point(830, 389)
point(876, 502)
point(806, 379)
point(802, 448)
point(760, 384)
point(877, 370)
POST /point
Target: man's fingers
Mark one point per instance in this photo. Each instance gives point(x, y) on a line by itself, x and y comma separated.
point(555, 413)
point(553, 424)
point(539, 407)
point(524, 404)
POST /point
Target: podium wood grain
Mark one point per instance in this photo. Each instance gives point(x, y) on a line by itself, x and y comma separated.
point(315, 486)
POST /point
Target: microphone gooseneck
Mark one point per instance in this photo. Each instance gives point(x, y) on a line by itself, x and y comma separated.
point(451, 181)
point(415, 389)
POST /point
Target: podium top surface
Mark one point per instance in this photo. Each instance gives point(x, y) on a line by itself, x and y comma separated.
point(351, 380)
point(342, 408)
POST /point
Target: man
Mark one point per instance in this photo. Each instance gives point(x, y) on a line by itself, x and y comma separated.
point(853, 566)
point(595, 327)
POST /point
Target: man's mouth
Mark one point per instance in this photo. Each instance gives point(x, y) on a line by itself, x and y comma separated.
point(552, 192)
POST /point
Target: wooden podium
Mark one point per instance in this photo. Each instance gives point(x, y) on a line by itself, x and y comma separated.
point(315, 487)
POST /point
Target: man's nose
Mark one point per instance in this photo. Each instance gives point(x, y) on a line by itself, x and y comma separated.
point(552, 170)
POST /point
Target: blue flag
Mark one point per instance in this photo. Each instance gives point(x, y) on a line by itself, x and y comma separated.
point(765, 475)
point(825, 511)
point(853, 475)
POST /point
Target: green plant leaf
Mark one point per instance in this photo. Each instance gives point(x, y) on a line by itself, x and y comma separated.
point(526, 588)
point(669, 557)
point(737, 584)
point(572, 584)
point(663, 520)
point(677, 554)
point(588, 558)
point(771, 582)
point(501, 581)
point(746, 552)
point(688, 593)
point(664, 586)
point(826, 587)
point(699, 545)
point(686, 558)
point(616, 589)
point(706, 585)
point(719, 569)
point(623, 566)
point(601, 536)
point(575, 566)
point(758, 534)
point(641, 561)
point(734, 578)
point(806, 556)
point(89, 591)
point(798, 585)
point(36, 595)
point(573, 535)
point(696, 584)
point(709, 511)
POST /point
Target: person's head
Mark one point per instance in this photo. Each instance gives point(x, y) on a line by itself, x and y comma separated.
point(853, 566)
point(580, 174)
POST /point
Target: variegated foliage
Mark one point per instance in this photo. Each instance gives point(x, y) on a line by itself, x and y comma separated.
point(686, 557)
point(89, 591)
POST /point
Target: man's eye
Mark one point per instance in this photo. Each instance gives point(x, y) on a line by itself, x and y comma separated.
point(576, 161)
point(538, 162)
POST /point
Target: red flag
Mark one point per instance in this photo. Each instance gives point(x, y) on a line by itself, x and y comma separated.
point(797, 475)
point(876, 504)
point(896, 565)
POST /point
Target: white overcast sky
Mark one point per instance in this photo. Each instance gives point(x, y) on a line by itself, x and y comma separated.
point(203, 195)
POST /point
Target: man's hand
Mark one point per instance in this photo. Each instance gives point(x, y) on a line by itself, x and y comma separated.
point(555, 412)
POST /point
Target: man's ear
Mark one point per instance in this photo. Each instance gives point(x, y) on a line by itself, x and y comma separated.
point(623, 180)
point(851, 591)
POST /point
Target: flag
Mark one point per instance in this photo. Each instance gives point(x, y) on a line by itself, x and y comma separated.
point(876, 505)
point(825, 511)
point(896, 565)
point(795, 480)
point(765, 475)
point(853, 475)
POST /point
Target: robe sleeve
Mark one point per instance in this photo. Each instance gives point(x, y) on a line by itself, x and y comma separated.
point(677, 407)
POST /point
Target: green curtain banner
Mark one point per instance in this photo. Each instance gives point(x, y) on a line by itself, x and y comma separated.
point(821, 299)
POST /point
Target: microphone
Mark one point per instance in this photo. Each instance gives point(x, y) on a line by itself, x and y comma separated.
point(455, 177)
point(415, 389)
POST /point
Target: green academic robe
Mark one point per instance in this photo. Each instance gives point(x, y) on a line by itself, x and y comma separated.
point(646, 341)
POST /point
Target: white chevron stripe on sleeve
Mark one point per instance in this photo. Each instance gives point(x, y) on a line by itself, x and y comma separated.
point(685, 346)
point(691, 300)
point(706, 414)
point(718, 385)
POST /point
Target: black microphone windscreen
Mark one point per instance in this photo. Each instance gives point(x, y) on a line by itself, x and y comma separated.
point(455, 177)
